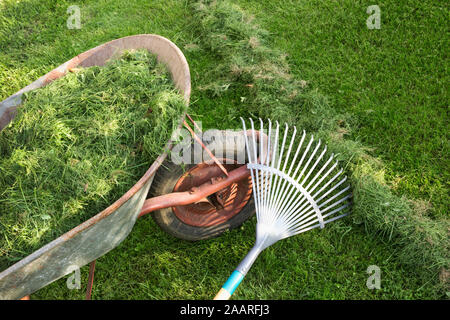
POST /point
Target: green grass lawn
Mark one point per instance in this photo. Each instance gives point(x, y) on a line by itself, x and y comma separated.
point(328, 264)
point(392, 80)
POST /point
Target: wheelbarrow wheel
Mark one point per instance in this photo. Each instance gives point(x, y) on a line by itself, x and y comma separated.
point(225, 210)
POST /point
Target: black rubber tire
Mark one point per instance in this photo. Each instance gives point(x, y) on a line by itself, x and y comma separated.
point(165, 179)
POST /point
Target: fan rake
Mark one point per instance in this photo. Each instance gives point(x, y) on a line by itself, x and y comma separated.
point(291, 196)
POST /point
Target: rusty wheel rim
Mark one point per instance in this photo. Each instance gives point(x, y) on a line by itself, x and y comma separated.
point(219, 207)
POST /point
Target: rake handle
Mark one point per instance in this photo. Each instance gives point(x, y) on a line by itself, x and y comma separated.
point(229, 286)
point(238, 274)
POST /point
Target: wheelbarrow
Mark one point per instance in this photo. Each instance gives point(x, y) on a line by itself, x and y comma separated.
point(197, 202)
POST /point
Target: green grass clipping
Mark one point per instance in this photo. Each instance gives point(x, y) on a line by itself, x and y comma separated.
point(78, 144)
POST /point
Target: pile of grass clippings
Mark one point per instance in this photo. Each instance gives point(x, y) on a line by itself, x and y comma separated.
point(248, 66)
point(78, 144)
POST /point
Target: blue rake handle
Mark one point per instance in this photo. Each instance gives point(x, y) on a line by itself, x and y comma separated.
point(239, 273)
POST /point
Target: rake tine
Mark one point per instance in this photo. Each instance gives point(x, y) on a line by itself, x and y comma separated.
point(323, 177)
point(309, 160)
point(314, 165)
point(318, 174)
point(250, 161)
point(322, 197)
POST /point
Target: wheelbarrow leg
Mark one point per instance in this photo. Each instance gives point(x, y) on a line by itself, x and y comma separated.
point(90, 280)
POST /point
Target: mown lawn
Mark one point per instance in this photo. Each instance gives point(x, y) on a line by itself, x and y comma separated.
point(396, 93)
point(394, 80)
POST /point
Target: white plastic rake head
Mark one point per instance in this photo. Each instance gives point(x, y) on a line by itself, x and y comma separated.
point(295, 189)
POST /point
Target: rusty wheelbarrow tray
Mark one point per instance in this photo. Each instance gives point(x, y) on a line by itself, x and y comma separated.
point(106, 230)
